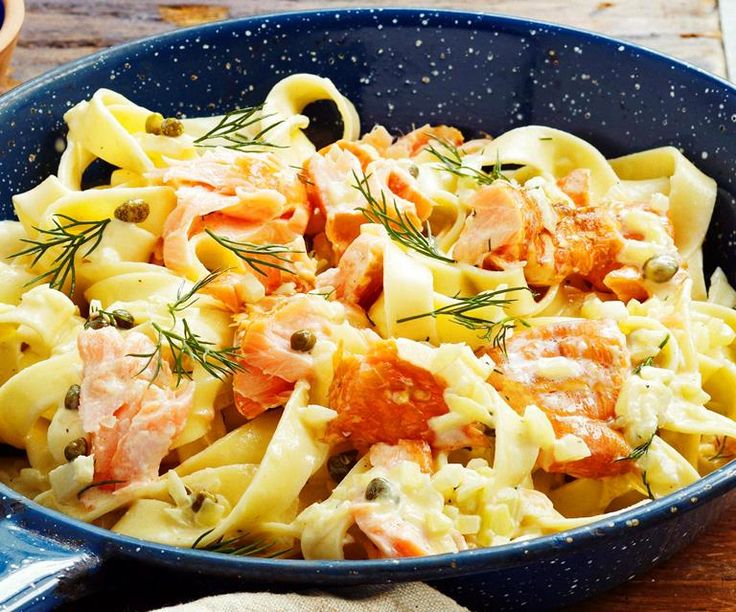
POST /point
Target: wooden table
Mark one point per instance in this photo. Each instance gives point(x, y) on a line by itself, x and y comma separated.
point(56, 31)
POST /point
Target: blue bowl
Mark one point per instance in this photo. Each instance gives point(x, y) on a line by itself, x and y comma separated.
point(400, 67)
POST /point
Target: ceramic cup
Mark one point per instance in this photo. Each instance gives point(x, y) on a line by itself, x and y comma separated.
point(11, 18)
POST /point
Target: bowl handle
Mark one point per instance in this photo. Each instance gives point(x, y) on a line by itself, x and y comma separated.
point(36, 571)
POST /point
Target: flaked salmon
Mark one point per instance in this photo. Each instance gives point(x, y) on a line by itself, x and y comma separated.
point(131, 416)
point(358, 278)
point(507, 228)
point(272, 366)
point(380, 397)
point(573, 371)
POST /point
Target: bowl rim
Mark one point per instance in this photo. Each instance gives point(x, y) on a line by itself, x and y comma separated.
point(10, 26)
point(719, 482)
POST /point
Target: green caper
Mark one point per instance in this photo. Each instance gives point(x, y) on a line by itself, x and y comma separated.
point(379, 488)
point(660, 268)
point(338, 466)
point(414, 170)
point(133, 211)
point(172, 127)
point(75, 448)
point(123, 319)
point(153, 123)
point(71, 399)
point(200, 498)
point(96, 321)
point(303, 340)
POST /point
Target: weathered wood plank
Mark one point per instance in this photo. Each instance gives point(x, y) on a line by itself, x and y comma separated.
point(728, 25)
point(688, 29)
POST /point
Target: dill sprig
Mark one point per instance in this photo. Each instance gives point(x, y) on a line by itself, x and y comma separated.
point(229, 127)
point(258, 256)
point(70, 237)
point(451, 161)
point(186, 299)
point(301, 175)
point(638, 451)
point(399, 228)
point(187, 348)
point(646, 484)
point(495, 332)
point(721, 450)
point(238, 545)
point(323, 294)
point(99, 483)
point(649, 361)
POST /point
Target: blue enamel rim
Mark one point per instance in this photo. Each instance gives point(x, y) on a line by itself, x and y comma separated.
point(57, 525)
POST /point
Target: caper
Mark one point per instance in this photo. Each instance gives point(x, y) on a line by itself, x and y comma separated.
point(153, 123)
point(172, 127)
point(96, 321)
point(123, 319)
point(338, 466)
point(133, 211)
point(379, 488)
point(200, 498)
point(71, 399)
point(75, 448)
point(414, 170)
point(303, 340)
point(660, 268)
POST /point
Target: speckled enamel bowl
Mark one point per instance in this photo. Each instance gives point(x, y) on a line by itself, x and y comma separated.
point(399, 67)
point(11, 18)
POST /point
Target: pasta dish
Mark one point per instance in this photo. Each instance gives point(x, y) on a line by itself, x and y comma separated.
point(216, 335)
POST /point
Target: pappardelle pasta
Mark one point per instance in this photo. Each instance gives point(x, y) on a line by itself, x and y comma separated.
point(391, 346)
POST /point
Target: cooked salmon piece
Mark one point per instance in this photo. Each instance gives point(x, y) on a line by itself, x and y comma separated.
point(507, 228)
point(331, 179)
point(573, 371)
point(587, 241)
point(243, 197)
point(414, 451)
point(391, 534)
point(413, 143)
point(627, 283)
point(576, 185)
point(393, 522)
point(381, 398)
point(329, 175)
point(379, 139)
point(192, 203)
point(255, 392)
point(272, 366)
point(227, 172)
point(362, 150)
point(358, 278)
point(131, 417)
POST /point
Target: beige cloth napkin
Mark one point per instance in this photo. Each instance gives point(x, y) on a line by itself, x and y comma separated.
point(408, 597)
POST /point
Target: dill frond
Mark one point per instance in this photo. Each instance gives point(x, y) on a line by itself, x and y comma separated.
point(69, 237)
point(399, 227)
point(238, 545)
point(638, 451)
point(186, 349)
point(258, 256)
point(721, 450)
point(646, 484)
point(495, 332)
point(649, 361)
point(99, 483)
point(185, 299)
point(229, 127)
point(451, 161)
